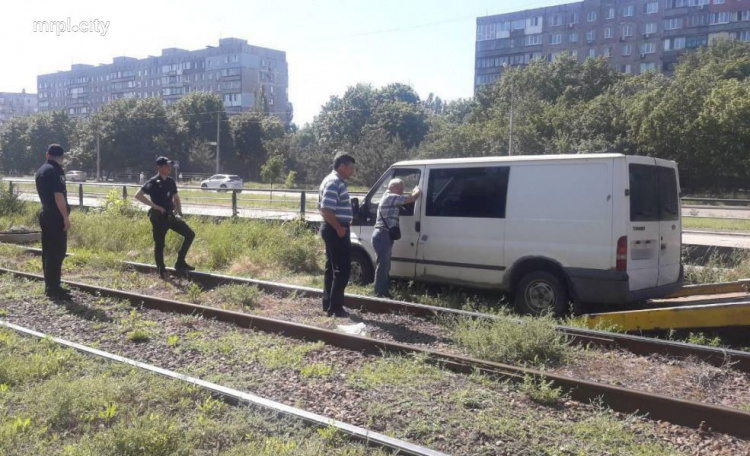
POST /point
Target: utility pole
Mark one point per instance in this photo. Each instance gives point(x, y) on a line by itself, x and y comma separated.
point(218, 127)
point(98, 160)
point(510, 136)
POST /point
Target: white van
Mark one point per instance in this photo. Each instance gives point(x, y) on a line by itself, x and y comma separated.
point(549, 229)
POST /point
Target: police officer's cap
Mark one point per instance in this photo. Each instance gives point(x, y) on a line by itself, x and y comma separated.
point(55, 150)
point(163, 161)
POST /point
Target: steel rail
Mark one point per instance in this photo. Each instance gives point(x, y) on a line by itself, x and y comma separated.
point(638, 345)
point(677, 411)
point(234, 396)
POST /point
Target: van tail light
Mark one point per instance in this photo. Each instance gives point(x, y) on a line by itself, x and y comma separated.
point(621, 263)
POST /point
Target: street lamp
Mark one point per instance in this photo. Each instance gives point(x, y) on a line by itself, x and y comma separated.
point(510, 134)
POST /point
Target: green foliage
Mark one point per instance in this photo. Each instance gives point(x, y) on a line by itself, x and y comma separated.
point(532, 341)
point(242, 297)
point(10, 204)
point(541, 391)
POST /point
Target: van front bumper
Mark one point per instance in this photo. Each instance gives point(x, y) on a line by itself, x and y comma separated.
point(594, 286)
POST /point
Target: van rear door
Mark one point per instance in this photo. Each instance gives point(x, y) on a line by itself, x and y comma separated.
point(670, 233)
point(643, 226)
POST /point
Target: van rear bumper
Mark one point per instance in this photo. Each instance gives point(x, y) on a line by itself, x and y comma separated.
point(594, 286)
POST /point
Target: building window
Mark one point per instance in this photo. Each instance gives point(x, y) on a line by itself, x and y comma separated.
point(556, 38)
point(518, 24)
point(674, 44)
point(628, 11)
point(532, 40)
point(744, 36)
point(555, 21)
point(591, 35)
point(698, 20)
point(745, 15)
point(592, 53)
point(534, 21)
point(673, 24)
point(627, 68)
point(627, 49)
point(719, 2)
point(627, 30)
point(574, 18)
point(608, 32)
point(720, 18)
point(591, 16)
point(573, 37)
point(648, 66)
point(696, 41)
point(648, 48)
point(651, 8)
point(649, 28)
point(611, 13)
point(607, 52)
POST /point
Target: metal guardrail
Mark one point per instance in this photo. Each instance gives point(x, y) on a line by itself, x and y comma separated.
point(235, 203)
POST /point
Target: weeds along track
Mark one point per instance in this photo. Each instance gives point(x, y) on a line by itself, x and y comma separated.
point(697, 415)
point(233, 396)
point(644, 346)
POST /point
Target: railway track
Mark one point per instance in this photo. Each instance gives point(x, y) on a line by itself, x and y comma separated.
point(233, 396)
point(677, 411)
point(740, 360)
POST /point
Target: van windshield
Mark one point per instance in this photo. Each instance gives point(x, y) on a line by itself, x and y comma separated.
point(653, 193)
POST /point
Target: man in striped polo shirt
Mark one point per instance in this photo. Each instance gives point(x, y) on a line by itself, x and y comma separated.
point(336, 209)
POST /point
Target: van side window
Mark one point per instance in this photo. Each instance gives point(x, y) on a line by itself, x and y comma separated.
point(468, 192)
point(410, 176)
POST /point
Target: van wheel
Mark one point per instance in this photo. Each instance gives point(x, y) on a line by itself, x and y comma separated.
point(223, 188)
point(362, 272)
point(204, 187)
point(540, 293)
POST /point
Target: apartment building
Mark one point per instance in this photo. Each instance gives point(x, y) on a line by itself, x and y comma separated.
point(14, 104)
point(635, 35)
point(240, 73)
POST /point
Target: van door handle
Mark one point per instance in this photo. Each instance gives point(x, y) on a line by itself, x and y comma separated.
point(664, 246)
point(424, 237)
point(417, 226)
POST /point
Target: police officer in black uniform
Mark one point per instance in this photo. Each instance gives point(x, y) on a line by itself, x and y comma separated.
point(54, 220)
point(165, 209)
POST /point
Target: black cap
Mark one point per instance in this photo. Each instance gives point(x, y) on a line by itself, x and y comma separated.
point(55, 150)
point(163, 161)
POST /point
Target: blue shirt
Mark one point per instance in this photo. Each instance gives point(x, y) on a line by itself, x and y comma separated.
point(388, 210)
point(334, 195)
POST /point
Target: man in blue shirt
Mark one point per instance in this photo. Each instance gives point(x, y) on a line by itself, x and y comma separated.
point(336, 209)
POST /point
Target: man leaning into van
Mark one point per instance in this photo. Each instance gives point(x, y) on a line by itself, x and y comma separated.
point(336, 209)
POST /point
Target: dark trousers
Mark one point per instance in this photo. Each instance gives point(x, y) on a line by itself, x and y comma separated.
point(338, 266)
point(160, 224)
point(54, 247)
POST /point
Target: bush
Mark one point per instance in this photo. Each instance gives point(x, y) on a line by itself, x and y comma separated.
point(533, 341)
point(10, 204)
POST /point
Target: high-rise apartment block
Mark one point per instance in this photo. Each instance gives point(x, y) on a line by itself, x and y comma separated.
point(14, 104)
point(635, 35)
point(240, 73)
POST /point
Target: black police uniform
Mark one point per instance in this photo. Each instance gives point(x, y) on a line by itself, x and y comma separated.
point(50, 179)
point(161, 192)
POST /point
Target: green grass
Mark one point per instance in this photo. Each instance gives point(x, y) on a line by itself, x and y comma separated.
point(716, 224)
point(238, 296)
point(396, 370)
point(85, 406)
point(529, 341)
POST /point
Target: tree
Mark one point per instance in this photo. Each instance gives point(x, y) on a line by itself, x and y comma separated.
point(193, 119)
point(14, 146)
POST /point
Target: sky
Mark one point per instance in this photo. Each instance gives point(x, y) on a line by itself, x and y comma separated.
point(329, 44)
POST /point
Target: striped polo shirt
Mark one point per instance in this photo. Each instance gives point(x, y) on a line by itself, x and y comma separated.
point(334, 195)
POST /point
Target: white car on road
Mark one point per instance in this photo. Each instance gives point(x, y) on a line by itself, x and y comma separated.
point(223, 182)
point(75, 176)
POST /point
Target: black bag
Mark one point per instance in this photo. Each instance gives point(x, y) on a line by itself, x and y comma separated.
point(393, 231)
